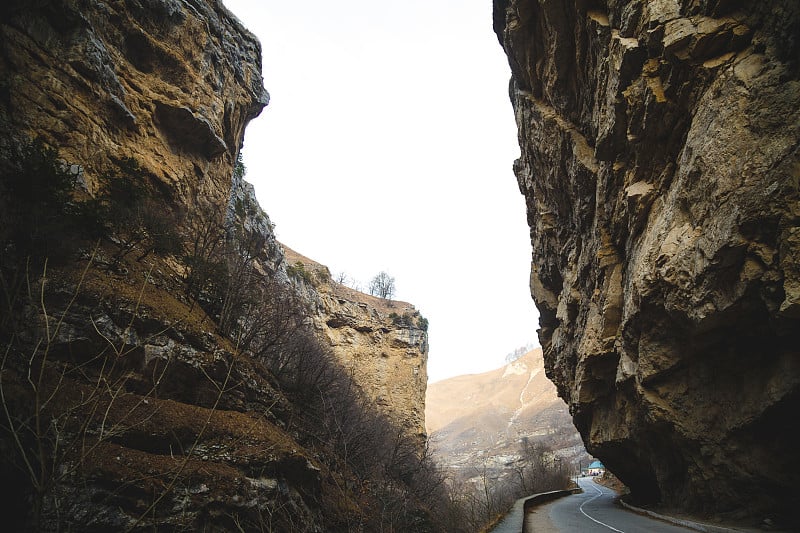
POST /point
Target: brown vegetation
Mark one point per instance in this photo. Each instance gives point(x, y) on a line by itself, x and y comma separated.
point(140, 390)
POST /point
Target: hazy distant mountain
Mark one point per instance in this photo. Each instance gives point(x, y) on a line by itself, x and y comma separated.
point(480, 419)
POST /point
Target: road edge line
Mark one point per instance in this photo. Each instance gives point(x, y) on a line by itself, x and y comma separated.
point(697, 526)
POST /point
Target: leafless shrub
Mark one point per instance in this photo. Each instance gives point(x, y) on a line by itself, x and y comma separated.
point(57, 410)
point(539, 468)
point(204, 257)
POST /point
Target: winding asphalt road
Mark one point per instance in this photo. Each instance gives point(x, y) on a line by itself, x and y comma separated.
point(594, 511)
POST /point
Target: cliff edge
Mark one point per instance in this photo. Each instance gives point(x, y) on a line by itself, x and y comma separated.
point(383, 343)
point(659, 160)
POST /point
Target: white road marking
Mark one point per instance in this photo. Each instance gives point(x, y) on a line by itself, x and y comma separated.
point(599, 493)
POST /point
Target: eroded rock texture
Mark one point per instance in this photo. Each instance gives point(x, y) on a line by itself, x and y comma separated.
point(168, 385)
point(383, 343)
point(659, 159)
point(169, 83)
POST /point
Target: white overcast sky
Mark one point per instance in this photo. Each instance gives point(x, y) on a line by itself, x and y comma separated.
point(388, 145)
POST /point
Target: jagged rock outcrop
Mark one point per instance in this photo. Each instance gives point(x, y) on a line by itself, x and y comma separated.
point(384, 343)
point(659, 160)
point(170, 83)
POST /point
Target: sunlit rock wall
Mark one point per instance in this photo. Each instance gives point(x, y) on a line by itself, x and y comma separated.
point(173, 84)
point(383, 343)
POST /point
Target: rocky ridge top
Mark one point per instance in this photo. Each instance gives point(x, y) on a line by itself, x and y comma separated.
point(170, 83)
point(382, 342)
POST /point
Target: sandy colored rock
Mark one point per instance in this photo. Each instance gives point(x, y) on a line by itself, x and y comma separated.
point(170, 84)
point(659, 161)
point(383, 342)
point(187, 429)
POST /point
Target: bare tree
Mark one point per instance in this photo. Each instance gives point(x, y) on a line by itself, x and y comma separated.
point(382, 286)
point(204, 258)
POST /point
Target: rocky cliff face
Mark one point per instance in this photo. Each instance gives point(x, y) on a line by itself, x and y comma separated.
point(171, 85)
point(384, 343)
point(171, 379)
point(659, 160)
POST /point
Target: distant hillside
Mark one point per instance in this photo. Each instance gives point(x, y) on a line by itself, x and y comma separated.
point(481, 419)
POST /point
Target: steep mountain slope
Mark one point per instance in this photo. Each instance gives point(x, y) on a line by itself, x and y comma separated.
point(659, 160)
point(481, 419)
point(383, 343)
point(163, 367)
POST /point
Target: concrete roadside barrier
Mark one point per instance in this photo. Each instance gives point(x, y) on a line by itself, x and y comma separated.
point(544, 497)
point(514, 521)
